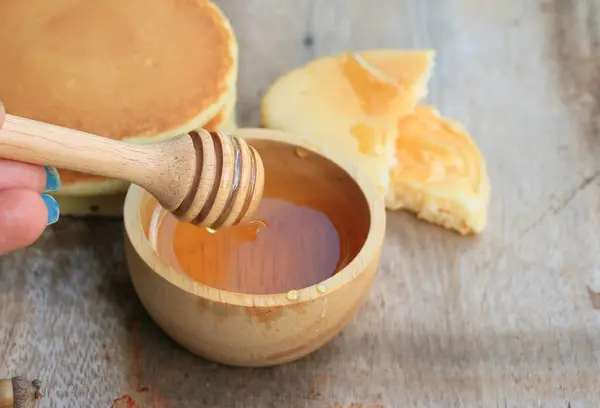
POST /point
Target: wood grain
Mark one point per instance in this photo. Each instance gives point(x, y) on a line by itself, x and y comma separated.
point(508, 319)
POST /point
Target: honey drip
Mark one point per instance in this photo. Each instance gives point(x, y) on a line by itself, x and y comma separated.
point(377, 93)
point(432, 150)
point(380, 99)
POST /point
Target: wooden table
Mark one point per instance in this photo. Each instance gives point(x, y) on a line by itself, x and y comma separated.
point(507, 319)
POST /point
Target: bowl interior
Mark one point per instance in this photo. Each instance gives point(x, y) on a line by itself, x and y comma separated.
point(291, 172)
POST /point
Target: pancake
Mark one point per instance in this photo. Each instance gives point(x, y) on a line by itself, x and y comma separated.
point(366, 105)
point(137, 71)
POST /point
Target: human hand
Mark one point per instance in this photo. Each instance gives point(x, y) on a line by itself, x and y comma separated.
point(24, 210)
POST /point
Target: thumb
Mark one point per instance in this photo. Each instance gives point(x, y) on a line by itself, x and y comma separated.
point(24, 215)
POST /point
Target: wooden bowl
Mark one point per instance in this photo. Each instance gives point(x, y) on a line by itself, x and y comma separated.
point(259, 330)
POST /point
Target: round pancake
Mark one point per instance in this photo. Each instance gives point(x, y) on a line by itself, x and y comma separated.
point(133, 70)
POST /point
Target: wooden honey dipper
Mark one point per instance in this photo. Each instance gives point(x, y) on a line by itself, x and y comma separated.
point(210, 179)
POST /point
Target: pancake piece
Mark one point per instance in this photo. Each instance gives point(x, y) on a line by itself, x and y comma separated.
point(349, 104)
point(366, 105)
point(139, 71)
point(441, 175)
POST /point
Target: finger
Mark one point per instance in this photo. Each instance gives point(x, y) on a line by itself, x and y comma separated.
point(15, 174)
point(24, 215)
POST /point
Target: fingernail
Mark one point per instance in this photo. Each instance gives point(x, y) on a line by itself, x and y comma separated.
point(52, 206)
point(52, 179)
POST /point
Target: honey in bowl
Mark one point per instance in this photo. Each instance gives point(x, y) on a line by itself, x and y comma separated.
point(305, 230)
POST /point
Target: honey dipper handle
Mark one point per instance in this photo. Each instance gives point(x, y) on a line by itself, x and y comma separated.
point(206, 178)
point(45, 144)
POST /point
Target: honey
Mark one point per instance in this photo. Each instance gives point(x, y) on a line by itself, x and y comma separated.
point(303, 232)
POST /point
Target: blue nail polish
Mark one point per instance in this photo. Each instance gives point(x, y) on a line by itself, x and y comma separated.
point(52, 206)
point(52, 179)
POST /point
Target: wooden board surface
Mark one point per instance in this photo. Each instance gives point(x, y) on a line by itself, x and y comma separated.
point(507, 319)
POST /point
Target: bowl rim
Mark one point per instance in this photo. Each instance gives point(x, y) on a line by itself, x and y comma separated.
point(368, 252)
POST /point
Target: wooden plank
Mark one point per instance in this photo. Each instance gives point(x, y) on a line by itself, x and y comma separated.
point(507, 319)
